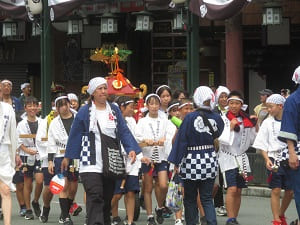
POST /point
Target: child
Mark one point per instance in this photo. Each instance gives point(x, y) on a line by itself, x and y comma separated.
point(186, 106)
point(57, 140)
point(173, 109)
point(74, 103)
point(273, 152)
point(194, 152)
point(165, 95)
point(154, 134)
point(30, 156)
point(221, 108)
point(239, 133)
point(131, 186)
point(41, 144)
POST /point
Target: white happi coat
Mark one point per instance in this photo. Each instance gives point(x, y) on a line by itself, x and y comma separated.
point(42, 144)
point(8, 144)
point(57, 137)
point(267, 139)
point(155, 129)
point(23, 128)
point(233, 145)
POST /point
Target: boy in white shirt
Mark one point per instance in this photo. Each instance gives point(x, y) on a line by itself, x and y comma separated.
point(273, 152)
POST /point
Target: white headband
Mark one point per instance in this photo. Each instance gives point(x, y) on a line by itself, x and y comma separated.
point(235, 98)
point(184, 104)
point(59, 98)
point(127, 102)
point(171, 106)
point(24, 85)
point(160, 87)
point(152, 95)
point(276, 99)
point(72, 96)
point(6, 81)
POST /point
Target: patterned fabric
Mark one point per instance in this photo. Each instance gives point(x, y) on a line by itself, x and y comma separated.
point(199, 165)
point(85, 153)
point(276, 99)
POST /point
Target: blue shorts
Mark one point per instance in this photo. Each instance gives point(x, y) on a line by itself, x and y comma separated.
point(234, 179)
point(163, 166)
point(71, 176)
point(18, 177)
point(131, 185)
point(279, 179)
point(47, 176)
point(36, 168)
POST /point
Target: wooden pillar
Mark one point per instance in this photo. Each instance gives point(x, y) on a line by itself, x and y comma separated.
point(234, 54)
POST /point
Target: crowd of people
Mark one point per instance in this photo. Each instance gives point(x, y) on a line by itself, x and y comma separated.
point(203, 140)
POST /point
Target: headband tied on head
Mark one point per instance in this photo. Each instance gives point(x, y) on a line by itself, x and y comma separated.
point(184, 104)
point(152, 95)
point(171, 106)
point(6, 81)
point(60, 98)
point(160, 87)
point(203, 94)
point(127, 102)
point(244, 106)
point(24, 85)
point(94, 83)
point(72, 96)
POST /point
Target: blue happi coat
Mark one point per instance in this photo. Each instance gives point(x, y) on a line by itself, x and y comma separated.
point(80, 130)
point(194, 148)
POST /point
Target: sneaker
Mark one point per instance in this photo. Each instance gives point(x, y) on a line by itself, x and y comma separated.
point(60, 220)
point(232, 222)
point(22, 212)
point(159, 215)
point(203, 220)
point(29, 215)
point(221, 211)
point(178, 222)
point(133, 223)
point(116, 221)
point(167, 212)
point(276, 222)
point(283, 220)
point(1, 214)
point(68, 221)
point(36, 208)
point(44, 215)
point(75, 209)
point(151, 221)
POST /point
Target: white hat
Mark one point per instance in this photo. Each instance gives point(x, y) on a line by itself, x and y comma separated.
point(202, 94)
point(24, 85)
point(6, 81)
point(94, 83)
point(276, 99)
point(72, 96)
point(296, 75)
point(219, 91)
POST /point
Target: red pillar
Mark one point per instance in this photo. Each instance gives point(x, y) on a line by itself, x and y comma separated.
point(234, 54)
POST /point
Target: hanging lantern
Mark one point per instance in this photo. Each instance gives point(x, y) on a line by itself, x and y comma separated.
point(144, 21)
point(36, 31)
point(109, 23)
point(272, 14)
point(75, 26)
point(9, 28)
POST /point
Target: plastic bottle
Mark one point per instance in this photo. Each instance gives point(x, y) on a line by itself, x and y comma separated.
point(176, 121)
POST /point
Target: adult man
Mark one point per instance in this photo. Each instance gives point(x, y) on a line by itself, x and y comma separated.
point(261, 110)
point(12, 100)
point(290, 133)
point(26, 91)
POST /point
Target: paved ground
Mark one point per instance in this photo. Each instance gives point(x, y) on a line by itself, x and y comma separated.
point(254, 211)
